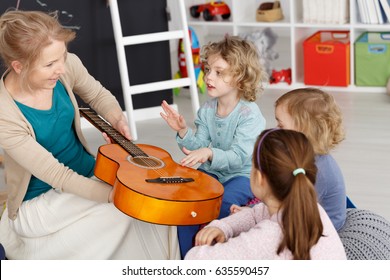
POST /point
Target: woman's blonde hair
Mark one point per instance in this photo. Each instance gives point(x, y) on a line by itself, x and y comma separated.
point(317, 115)
point(243, 59)
point(24, 34)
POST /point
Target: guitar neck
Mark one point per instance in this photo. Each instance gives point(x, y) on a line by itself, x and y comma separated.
point(111, 132)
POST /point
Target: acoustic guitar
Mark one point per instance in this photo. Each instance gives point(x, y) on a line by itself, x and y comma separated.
point(149, 185)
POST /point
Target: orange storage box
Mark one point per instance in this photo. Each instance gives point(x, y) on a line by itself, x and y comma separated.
point(327, 59)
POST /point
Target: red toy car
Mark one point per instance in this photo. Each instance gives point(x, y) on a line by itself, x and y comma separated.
point(283, 75)
point(210, 10)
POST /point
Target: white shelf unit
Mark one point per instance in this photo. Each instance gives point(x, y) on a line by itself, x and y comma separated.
point(291, 34)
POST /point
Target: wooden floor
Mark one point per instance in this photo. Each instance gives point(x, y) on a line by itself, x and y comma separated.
point(364, 156)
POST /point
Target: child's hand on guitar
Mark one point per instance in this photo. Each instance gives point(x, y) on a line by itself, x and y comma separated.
point(174, 119)
point(209, 236)
point(197, 156)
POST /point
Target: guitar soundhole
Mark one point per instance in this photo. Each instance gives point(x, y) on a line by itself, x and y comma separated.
point(146, 162)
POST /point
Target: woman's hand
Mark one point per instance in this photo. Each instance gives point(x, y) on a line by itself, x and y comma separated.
point(209, 236)
point(121, 126)
point(174, 119)
point(197, 156)
point(106, 138)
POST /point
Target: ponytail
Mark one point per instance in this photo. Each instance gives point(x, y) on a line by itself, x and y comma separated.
point(301, 220)
point(286, 158)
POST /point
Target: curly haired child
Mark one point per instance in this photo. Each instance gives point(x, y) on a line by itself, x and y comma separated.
point(316, 114)
point(226, 125)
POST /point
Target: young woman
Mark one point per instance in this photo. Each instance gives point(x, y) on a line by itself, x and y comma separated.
point(226, 126)
point(288, 223)
point(55, 208)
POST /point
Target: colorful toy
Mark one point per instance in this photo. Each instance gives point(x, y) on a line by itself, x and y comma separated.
point(182, 73)
point(210, 10)
point(283, 75)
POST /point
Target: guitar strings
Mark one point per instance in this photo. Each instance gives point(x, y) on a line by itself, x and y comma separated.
point(133, 150)
point(125, 144)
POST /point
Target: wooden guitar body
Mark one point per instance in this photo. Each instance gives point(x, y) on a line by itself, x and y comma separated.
point(188, 203)
point(150, 186)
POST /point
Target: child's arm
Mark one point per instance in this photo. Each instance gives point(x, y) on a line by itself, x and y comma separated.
point(198, 156)
point(218, 231)
point(200, 137)
point(209, 236)
point(240, 150)
point(174, 119)
point(246, 237)
point(235, 224)
point(235, 208)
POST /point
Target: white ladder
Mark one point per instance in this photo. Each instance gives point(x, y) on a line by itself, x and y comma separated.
point(129, 90)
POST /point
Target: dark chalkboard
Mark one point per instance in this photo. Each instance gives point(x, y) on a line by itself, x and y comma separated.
point(95, 44)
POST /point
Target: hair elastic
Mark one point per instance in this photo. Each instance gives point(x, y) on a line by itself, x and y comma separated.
point(299, 170)
point(260, 142)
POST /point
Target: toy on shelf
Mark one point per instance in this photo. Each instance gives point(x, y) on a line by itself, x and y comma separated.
point(269, 11)
point(182, 73)
point(283, 75)
point(264, 40)
point(210, 10)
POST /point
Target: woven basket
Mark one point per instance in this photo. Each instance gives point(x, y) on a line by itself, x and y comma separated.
point(269, 11)
point(365, 235)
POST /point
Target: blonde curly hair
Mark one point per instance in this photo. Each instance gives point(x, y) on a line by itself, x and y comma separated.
point(243, 59)
point(316, 114)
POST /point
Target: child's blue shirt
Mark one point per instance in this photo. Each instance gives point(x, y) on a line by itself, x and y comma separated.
point(230, 138)
point(330, 189)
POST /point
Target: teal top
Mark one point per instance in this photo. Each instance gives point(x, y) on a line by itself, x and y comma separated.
point(231, 138)
point(55, 132)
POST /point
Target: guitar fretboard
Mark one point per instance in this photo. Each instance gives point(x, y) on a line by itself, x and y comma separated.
point(116, 136)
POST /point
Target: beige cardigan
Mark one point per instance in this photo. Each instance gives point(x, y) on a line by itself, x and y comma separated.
point(25, 157)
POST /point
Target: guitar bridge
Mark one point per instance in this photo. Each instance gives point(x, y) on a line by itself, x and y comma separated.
point(169, 180)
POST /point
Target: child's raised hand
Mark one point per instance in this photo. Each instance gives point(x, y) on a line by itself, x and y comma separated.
point(173, 118)
point(209, 236)
point(197, 156)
